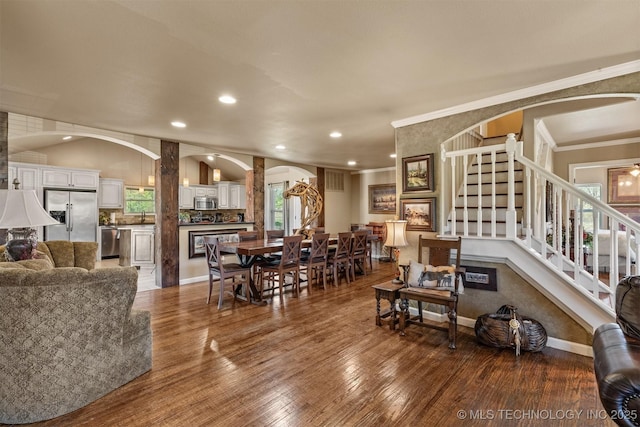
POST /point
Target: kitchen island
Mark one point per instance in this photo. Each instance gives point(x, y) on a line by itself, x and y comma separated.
point(193, 267)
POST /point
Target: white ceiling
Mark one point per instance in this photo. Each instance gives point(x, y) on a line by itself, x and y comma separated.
point(300, 69)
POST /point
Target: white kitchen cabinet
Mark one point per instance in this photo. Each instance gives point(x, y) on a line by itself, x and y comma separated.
point(137, 246)
point(185, 197)
point(206, 191)
point(237, 196)
point(223, 195)
point(110, 194)
point(28, 176)
point(65, 178)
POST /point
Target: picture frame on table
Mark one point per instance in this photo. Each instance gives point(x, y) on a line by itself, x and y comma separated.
point(623, 188)
point(382, 199)
point(417, 173)
point(420, 214)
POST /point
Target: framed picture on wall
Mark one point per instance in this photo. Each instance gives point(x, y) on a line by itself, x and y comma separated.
point(417, 173)
point(382, 199)
point(420, 214)
point(623, 188)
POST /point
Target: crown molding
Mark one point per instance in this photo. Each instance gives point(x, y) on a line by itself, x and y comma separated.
point(580, 79)
point(600, 144)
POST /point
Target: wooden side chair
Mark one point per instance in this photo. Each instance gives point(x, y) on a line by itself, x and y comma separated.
point(275, 234)
point(288, 263)
point(358, 252)
point(247, 235)
point(220, 271)
point(340, 260)
point(315, 263)
point(439, 255)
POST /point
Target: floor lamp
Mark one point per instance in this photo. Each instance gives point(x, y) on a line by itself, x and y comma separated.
point(396, 238)
point(20, 213)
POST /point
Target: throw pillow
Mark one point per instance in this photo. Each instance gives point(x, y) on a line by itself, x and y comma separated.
point(415, 272)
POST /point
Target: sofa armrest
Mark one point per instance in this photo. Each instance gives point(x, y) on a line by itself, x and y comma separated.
point(616, 359)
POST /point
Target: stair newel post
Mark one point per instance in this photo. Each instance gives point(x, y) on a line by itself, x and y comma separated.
point(465, 194)
point(480, 193)
point(452, 181)
point(493, 195)
point(443, 206)
point(511, 198)
point(527, 212)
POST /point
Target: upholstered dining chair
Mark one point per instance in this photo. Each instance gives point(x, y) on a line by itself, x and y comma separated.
point(315, 263)
point(220, 271)
point(434, 290)
point(339, 260)
point(288, 263)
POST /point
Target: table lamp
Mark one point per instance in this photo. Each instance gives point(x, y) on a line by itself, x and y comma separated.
point(396, 238)
point(20, 212)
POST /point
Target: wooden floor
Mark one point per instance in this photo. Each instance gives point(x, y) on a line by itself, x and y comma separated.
point(319, 360)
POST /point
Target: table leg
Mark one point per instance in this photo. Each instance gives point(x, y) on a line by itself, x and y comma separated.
point(378, 319)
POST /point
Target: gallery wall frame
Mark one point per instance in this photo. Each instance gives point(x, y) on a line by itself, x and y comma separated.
point(382, 199)
point(420, 214)
point(417, 173)
point(623, 188)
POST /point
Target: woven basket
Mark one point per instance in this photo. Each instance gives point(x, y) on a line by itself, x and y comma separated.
point(493, 330)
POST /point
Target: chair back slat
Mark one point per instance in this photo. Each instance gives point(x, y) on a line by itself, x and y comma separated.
point(275, 234)
point(319, 246)
point(359, 241)
point(291, 247)
point(439, 250)
point(244, 236)
point(212, 252)
point(344, 244)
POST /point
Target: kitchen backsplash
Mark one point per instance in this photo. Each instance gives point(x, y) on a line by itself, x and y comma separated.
point(122, 219)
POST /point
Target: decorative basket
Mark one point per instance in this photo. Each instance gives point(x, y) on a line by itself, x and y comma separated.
point(494, 330)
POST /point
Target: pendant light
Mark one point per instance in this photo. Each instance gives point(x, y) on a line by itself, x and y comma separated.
point(151, 179)
point(216, 172)
point(141, 188)
point(185, 180)
point(635, 171)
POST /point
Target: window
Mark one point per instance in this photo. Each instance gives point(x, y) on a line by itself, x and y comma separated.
point(136, 202)
point(588, 219)
point(277, 206)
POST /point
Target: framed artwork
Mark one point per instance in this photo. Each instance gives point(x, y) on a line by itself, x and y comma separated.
point(382, 199)
point(420, 214)
point(480, 278)
point(196, 239)
point(632, 212)
point(623, 187)
point(417, 173)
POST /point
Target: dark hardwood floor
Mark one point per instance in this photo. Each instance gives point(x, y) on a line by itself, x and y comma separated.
point(320, 360)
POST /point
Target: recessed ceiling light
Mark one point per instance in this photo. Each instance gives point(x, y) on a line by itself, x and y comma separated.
point(209, 157)
point(280, 147)
point(351, 162)
point(177, 124)
point(393, 155)
point(66, 138)
point(227, 99)
point(335, 134)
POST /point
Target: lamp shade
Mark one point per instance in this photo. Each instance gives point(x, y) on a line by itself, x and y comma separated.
point(396, 233)
point(216, 175)
point(21, 208)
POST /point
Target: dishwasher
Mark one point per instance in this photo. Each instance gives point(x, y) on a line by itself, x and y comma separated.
point(110, 246)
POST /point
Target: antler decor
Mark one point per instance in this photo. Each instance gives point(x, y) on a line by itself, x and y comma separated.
point(311, 204)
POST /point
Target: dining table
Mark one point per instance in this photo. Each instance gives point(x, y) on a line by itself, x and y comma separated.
point(249, 251)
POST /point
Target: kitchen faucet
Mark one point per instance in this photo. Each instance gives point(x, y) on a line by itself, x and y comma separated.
point(144, 216)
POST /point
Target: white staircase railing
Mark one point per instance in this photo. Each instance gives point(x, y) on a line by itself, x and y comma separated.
point(551, 219)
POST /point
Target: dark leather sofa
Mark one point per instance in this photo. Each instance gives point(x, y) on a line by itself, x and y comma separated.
point(616, 356)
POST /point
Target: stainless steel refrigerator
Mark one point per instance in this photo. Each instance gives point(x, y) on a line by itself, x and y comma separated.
point(77, 212)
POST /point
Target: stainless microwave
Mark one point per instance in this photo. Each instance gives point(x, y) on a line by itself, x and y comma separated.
point(204, 203)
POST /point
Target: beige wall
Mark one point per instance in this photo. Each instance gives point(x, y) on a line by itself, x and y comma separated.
point(360, 182)
point(623, 152)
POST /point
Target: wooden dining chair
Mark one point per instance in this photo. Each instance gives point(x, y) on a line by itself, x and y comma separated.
point(243, 236)
point(439, 255)
point(339, 260)
point(275, 234)
point(288, 263)
point(358, 253)
point(315, 263)
point(220, 271)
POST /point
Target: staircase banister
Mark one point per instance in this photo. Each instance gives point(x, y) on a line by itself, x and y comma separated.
point(570, 189)
point(478, 150)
